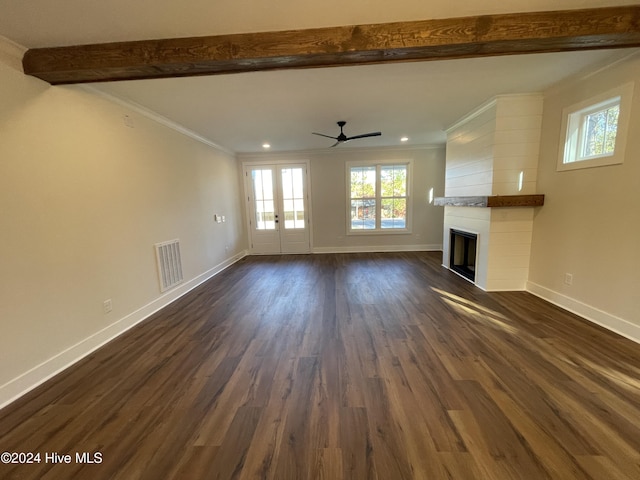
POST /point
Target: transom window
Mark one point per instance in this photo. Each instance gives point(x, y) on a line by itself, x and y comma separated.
point(378, 197)
point(595, 130)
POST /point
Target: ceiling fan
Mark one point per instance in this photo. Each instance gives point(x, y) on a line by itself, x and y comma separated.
point(342, 138)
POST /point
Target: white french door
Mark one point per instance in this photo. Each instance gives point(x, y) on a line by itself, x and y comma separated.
point(278, 213)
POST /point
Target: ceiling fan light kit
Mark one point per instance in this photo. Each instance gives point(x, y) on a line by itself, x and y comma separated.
point(342, 138)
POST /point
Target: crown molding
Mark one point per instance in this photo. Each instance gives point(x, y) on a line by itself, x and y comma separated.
point(620, 58)
point(11, 53)
point(343, 151)
point(492, 102)
point(156, 117)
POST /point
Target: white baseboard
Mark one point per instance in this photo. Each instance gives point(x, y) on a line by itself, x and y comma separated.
point(381, 248)
point(610, 322)
point(17, 387)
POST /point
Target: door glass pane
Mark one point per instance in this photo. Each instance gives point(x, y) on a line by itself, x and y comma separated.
point(263, 195)
point(288, 214)
point(293, 198)
point(298, 207)
point(298, 188)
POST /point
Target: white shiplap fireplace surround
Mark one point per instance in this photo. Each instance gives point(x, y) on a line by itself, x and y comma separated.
point(491, 152)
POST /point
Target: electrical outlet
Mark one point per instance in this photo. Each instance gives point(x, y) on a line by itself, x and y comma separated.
point(568, 278)
point(107, 306)
point(224, 219)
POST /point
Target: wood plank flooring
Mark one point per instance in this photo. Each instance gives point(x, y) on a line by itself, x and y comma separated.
point(355, 366)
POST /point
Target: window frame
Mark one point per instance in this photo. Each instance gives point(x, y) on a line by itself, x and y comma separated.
point(573, 129)
point(378, 164)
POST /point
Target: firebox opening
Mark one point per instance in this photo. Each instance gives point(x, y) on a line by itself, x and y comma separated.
point(462, 257)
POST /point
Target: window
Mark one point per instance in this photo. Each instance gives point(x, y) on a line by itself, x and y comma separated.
point(379, 197)
point(599, 131)
point(595, 130)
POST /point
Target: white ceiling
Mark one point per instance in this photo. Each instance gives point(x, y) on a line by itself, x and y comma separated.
point(242, 111)
point(419, 100)
point(47, 23)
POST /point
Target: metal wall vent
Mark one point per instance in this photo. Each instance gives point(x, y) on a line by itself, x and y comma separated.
point(169, 264)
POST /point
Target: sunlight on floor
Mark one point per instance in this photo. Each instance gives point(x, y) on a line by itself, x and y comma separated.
point(620, 378)
point(479, 312)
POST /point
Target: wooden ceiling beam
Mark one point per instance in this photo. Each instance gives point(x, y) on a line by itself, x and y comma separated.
point(487, 35)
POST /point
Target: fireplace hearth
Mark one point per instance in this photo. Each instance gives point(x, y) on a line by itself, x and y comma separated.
point(462, 253)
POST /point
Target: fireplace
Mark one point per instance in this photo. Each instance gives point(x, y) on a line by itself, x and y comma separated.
point(462, 253)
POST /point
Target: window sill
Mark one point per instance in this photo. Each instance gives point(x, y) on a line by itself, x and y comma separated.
point(389, 231)
point(591, 163)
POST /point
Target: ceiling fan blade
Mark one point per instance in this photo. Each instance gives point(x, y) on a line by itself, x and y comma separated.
point(365, 135)
point(342, 138)
point(323, 135)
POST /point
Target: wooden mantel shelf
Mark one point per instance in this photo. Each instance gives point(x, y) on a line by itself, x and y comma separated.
point(536, 200)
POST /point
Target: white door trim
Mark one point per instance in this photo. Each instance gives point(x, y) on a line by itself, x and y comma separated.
point(277, 163)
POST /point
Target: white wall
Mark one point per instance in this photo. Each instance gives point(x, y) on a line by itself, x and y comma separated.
point(83, 198)
point(590, 223)
point(329, 197)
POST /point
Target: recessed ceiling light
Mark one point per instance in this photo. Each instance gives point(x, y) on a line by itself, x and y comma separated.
point(404, 139)
point(266, 145)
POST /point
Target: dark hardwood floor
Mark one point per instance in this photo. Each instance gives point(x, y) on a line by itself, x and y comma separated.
point(359, 366)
